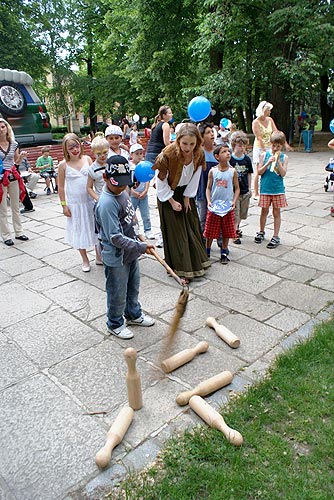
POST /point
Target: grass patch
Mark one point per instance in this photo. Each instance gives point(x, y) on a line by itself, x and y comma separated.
point(288, 427)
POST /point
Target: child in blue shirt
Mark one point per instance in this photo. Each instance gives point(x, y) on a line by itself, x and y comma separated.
point(121, 247)
point(243, 165)
point(272, 169)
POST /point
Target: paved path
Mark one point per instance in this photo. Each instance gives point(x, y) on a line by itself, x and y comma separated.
point(57, 365)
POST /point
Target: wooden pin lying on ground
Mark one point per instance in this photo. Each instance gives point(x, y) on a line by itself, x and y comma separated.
point(183, 357)
point(206, 387)
point(215, 420)
point(223, 332)
point(115, 435)
point(133, 382)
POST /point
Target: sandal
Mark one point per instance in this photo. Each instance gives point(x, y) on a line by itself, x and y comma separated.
point(274, 242)
point(259, 237)
point(237, 241)
point(239, 233)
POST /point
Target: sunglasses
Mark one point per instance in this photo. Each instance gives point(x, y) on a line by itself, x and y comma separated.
point(73, 146)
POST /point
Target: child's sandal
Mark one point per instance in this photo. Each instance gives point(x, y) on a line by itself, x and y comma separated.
point(259, 237)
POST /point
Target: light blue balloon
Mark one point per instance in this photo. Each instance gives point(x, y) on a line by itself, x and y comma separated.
point(143, 171)
point(331, 126)
point(199, 108)
point(224, 122)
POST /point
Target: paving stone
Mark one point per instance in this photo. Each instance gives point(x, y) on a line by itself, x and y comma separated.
point(300, 296)
point(42, 247)
point(63, 261)
point(255, 338)
point(262, 262)
point(142, 456)
point(14, 364)
point(97, 375)
point(309, 220)
point(50, 282)
point(41, 420)
point(159, 407)
point(5, 494)
point(155, 299)
point(325, 281)
point(240, 301)
point(94, 277)
point(320, 247)
point(256, 371)
point(216, 360)
point(244, 278)
point(195, 315)
point(288, 320)
point(55, 337)
point(314, 233)
point(30, 303)
point(85, 301)
point(8, 252)
point(19, 264)
point(4, 278)
point(298, 273)
point(54, 233)
point(312, 260)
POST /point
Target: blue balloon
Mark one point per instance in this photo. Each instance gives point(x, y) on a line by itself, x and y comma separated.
point(331, 126)
point(199, 108)
point(143, 171)
point(224, 122)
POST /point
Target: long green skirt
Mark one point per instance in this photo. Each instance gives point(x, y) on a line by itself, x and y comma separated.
point(183, 245)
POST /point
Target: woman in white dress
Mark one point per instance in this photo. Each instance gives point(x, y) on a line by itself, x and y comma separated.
point(78, 206)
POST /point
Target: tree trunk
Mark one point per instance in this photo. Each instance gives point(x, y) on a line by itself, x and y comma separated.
point(281, 110)
point(326, 109)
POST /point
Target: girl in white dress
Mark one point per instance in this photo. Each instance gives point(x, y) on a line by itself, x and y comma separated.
point(77, 205)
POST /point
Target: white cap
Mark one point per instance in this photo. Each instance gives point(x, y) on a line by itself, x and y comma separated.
point(136, 147)
point(113, 130)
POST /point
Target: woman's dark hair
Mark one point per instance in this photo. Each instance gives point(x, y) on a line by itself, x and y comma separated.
point(162, 111)
point(202, 128)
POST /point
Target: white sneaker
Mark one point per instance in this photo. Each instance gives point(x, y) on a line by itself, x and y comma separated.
point(122, 332)
point(149, 235)
point(160, 242)
point(143, 320)
point(86, 268)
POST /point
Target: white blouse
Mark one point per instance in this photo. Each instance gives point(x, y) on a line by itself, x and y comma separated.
point(188, 178)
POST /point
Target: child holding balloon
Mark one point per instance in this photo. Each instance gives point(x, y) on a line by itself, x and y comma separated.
point(139, 191)
point(179, 168)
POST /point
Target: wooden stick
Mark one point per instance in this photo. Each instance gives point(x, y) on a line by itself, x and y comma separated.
point(179, 280)
point(223, 332)
point(215, 420)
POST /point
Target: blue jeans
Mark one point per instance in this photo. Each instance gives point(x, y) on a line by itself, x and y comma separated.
point(144, 209)
point(151, 157)
point(122, 286)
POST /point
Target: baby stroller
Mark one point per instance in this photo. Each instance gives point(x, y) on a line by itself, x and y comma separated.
point(329, 186)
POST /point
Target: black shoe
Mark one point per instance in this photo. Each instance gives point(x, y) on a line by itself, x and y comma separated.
point(26, 210)
point(56, 189)
point(22, 238)
point(224, 259)
point(9, 243)
point(32, 195)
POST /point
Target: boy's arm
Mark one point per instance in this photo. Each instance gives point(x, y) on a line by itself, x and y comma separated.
point(108, 218)
point(90, 186)
point(208, 188)
point(262, 167)
point(236, 188)
point(249, 183)
point(282, 167)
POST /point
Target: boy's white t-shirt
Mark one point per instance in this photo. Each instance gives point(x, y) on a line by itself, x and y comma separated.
point(97, 176)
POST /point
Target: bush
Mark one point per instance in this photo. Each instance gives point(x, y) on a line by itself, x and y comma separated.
point(59, 130)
